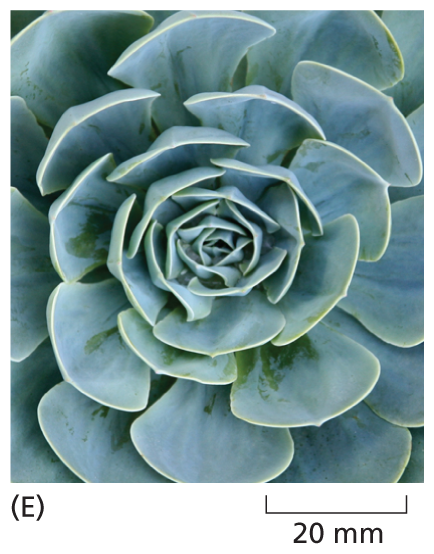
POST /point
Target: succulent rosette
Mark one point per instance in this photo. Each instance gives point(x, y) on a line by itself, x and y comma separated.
point(217, 238)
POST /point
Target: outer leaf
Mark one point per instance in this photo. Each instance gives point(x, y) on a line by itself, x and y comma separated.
point(91, 354)
point(91, 439)
point(82, 221)
point(133, 273)
point(137, 334)
point(354, 41)
point(361, 119)
point(32, 276)
point(387, 297)
point(190, 435)
point(61, 49)
point(414, 472)
point(407, 28)
point(176, 60)
point(337, 183)
point(415, 121)
point(357, 447)
point(268, 121)
point(118, 122)
point(323, 276)
point(398, 395)
point(235, 323)
point(28, 144)
point(32, 460)
point(308, 382)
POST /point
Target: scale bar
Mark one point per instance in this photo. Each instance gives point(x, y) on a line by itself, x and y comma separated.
point(352, 513)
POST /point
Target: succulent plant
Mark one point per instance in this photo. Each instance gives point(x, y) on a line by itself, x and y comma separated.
point(217, 238)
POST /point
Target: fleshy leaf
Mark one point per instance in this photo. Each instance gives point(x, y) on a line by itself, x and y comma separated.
point(82, 321)
point(235, 323)
point(414, 472)
point(307, 382)
point(91, 439)
point(32, 276)
point(356, 447)
point(361, 119)
point(165, 359)
point(28, 144)
point(268, 121)
point(190, 435)
point(323, 276)
point(387, 297)
point(82, 220)
point(354, 41)
point(161, 190)
point(337, 183)
point(133, 273)
point(268, 264)
point(61, 49)
point(32, 460)
point(176, 150)
point(416, 123)
point(176, 61)
point(407, 28)
point(252, 181)
point(117, 123)
point(197, 307)
point(280, 202)
point(398, 395)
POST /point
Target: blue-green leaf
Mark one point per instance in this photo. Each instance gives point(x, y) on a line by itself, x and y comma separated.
point(82, 219)
point(197, 307)
point(176, 150)
point(323, 276)
point(307, 382)
point(61, 59)
point(82, 321)
point(361, 119)
point(137, 334)
point(356, 447)
point(416, 123)
point(117, 123)
point(91, 439)
point(337, 182)
point(235, 323)
point(268, 121)
point(176, 61)
point(28, 144)
point(133, 273)
point(162, 190)
point(32, 276)
point(252, 181)
point(407, 27)
point(32, 460)
point(280, 202)
point(398, 395)
point(387, 297)
point(190, 435)
point(354, 41)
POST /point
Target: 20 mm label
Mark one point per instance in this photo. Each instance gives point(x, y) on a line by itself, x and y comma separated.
point(315, 534)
